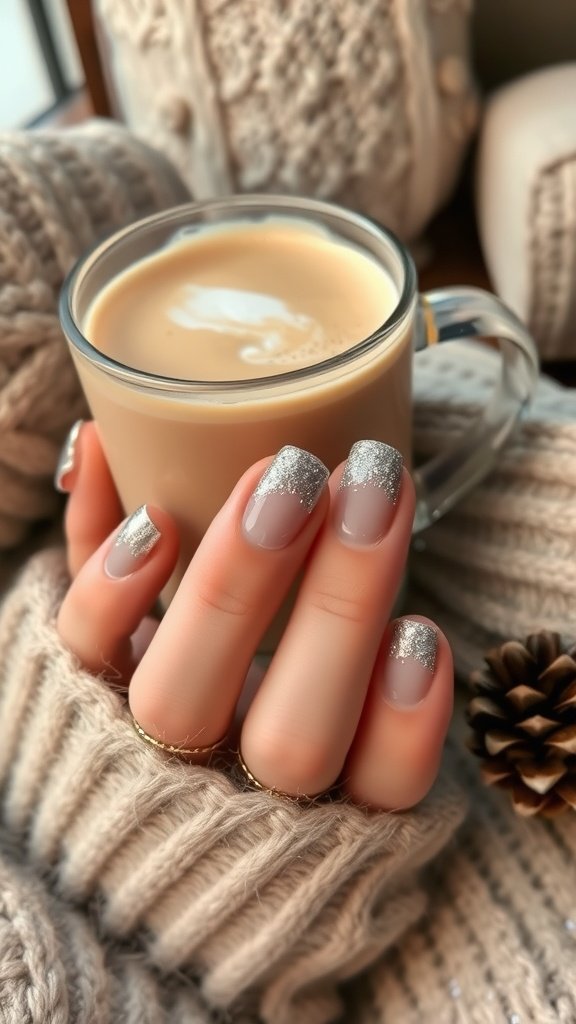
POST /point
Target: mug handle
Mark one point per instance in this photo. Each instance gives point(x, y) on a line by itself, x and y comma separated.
point(456, 314)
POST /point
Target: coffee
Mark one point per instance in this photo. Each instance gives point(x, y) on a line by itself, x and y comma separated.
point(221, 306)
point(250, 300)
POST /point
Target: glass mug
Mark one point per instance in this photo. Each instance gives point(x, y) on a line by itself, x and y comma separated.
point(183, 444)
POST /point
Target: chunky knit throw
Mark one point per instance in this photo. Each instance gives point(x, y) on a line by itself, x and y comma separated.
point(149, 891)
point(502, 563)
point(367, 102)
point(59, 193)
point(498, 943)
point(265, 903)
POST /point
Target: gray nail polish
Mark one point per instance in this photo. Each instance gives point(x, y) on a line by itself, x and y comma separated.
point(411, 663)
point(368, 492)
point(136, 539)
point(67, 457)
point(284, 498)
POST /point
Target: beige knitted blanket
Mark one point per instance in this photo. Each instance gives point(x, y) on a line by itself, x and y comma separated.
point(60, 192)
point(264, 903)
point(155, 891)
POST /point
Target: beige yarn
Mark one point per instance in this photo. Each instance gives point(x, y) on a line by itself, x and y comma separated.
point(367, 102)
point(269, 904)
point(552, 313)
point(504, 561)
point(59, 193)
point(498, 943)
point(54, 968)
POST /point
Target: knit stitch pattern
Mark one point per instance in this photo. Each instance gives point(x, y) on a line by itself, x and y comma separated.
point(54, 968)
point(502, 563)
point(61, 192)
point(552, 313)
point(368, 103)
point(498, 943)
point(268, 903)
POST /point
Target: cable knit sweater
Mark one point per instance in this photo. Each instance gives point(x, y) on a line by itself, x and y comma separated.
point(265, 903)
point(150, 891)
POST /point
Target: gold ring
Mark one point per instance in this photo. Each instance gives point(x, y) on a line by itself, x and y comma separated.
point(296, 798)
point(169, 748)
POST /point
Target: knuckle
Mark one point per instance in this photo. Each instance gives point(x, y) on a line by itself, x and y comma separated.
point(82, 608)
point(341, 599)
point(296, 764)
point(219, 599)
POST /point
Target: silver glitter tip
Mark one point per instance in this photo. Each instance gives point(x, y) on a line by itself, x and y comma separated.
point(294, 471)
point(415, 640)
point(138, 533)
point(67, 457)
point(375, 463)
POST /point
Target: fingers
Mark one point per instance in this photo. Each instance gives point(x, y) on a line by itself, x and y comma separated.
point(93, 508)
point(345, 698)
point(394, 759)
point(303, 719)
point(100, 619)
point(186, 687)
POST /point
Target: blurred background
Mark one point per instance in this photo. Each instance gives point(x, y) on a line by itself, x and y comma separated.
point(41, 74)
point(50, 71)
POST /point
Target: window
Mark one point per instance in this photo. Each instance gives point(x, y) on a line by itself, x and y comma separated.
point(39, 64)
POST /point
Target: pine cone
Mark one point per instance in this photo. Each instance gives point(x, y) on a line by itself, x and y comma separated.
point(523, 717)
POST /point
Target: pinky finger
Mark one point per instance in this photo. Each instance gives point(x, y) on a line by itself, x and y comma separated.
point(396, 752)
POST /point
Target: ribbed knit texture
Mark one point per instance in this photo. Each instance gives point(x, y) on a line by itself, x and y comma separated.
point(54, 968)
point(369, 103)
point(503, 563)
point(552, 313)
point(498, 944)
point(268, 903)
point(59, 193)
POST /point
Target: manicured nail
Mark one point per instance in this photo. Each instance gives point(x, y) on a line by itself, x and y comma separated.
point(368, 492)
point(284, 498)
point(134, 542)
point(410, 665)
point(67, 458)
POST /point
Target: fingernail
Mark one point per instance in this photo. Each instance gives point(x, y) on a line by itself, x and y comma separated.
point(134, 542)
point(284, 498)
point(368, 492)
point(410, 665)
point(67, 458)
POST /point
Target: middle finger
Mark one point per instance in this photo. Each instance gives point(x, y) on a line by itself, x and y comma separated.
point(186, 686)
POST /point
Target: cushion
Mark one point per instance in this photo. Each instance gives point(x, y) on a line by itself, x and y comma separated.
point(526, 202)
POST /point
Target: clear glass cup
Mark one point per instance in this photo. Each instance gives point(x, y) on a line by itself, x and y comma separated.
point(182, 444)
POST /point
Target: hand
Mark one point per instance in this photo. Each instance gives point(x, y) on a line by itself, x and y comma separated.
point(347, 696)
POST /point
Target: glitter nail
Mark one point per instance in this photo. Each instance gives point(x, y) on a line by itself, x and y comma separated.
point(375, 463)
point(138, 533)
point(294, 471)
point(415, 640)
point(67, 457)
